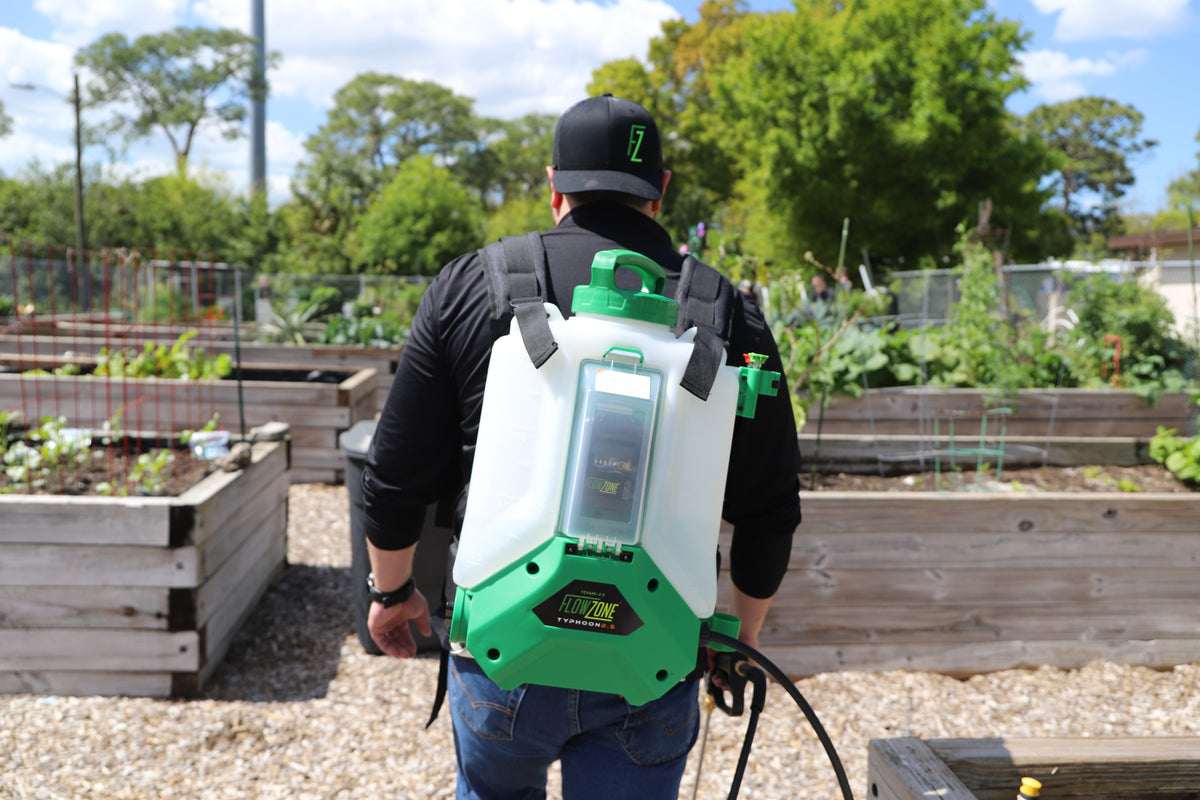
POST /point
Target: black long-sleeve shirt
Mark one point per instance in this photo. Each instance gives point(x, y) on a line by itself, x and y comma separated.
point(424, 442)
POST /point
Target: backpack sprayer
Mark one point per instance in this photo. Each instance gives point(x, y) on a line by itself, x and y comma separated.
point(587, 553)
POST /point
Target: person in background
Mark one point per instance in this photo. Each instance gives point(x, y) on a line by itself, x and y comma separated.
point(820, 289)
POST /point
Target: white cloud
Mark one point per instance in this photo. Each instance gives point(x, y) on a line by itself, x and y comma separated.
point(511, 56)
point(43, 122)
point(1057, 76)
point(1093, 19)
point(80, 22)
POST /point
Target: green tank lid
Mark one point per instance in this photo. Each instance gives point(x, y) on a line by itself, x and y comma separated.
point(603, 296)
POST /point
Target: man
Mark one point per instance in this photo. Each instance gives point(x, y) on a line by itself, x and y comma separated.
point(608, 182)
point(821, 291)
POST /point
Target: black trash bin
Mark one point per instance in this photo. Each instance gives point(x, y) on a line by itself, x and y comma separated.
point(429, 566)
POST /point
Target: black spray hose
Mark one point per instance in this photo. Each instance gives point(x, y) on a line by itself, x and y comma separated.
point(707, 636)
point(757, 701)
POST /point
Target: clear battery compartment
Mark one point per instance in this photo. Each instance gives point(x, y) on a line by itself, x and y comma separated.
point(612, 436)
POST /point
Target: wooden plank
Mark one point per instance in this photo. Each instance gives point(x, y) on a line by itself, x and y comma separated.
point(225, 622)
point(59, 519)
point(83, 607)
point(1098, 768)
point(883, 586)
point(906, 769)
point(872, 547)
point(219, 499)
point(1077, 412)
point(301, 474)
point(89, 340)
point(967, 512)
point(331, 458)
point(98, 565)
point(104, 650)
point(79, 682)
point(268, 509)
point(361, 384)
point(962, 660)
point(227, 583)
point(869, 454)
point(325, 438)
point(910, 403)
point(945, 624)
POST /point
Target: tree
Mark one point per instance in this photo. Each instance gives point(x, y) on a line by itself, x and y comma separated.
point(176, 81)
point(890, 114)
point(5, 123)
point(676, 87)
point(376, 124)
point(1092, 139)
point(418, 222)
point(517, 153)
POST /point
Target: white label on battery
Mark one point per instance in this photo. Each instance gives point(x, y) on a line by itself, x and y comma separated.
point(627, 384)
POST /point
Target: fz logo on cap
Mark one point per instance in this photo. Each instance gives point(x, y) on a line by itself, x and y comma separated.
point(636, 132)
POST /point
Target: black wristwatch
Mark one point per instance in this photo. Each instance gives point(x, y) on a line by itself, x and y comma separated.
point(391, 598)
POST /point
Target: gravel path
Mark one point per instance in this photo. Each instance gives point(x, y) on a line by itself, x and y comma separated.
point(298, 711)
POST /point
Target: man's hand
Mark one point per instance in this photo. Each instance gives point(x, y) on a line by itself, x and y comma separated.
point(389, 626)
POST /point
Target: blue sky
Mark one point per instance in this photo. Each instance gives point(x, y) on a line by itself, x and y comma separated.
point(519, 56)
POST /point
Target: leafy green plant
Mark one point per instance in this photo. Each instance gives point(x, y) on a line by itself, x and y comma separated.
point(145, 477)
point(8, 306)
point(1124, 338)
point(1178, 454)
point(292, 326)
point(160, 361)
point(45, 452)
point(363, 331)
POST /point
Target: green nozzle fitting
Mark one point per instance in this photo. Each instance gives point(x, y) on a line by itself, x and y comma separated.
point(726, 624)
point(754, 381)
point(458, 621)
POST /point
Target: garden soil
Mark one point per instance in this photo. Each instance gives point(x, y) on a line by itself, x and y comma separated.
point(1139, 478)
point(113, 467)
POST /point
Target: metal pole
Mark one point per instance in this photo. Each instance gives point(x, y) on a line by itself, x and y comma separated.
point(80, 231)
point(258, 113)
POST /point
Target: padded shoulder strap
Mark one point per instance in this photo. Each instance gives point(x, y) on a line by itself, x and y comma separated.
point(516, 271)
point(706, 303)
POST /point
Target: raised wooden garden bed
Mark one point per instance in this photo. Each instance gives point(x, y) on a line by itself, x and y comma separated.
point(1092, 768)
point(971, 582)
point(137, 595)
point(1036, 413)
point(896, 454)
point(346, 358)
point(316, 411)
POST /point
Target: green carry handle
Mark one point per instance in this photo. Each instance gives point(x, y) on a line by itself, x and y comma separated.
point(603, 296)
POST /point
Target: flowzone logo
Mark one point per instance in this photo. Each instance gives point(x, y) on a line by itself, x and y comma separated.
point(585, 605)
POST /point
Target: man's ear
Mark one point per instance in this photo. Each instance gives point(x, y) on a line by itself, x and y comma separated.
point(656, 205)
point(556, 199)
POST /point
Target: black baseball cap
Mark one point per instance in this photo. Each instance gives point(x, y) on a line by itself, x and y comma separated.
point(608, 143)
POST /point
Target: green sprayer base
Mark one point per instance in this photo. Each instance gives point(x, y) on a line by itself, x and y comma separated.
point(576, 618)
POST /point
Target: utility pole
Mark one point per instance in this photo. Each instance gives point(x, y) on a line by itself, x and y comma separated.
point(80, 231)
point(258, 112)
point(76, 100)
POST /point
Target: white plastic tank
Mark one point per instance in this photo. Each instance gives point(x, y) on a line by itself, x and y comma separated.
point(602, 443)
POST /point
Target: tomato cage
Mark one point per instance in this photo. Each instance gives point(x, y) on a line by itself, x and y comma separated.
point(107, 368)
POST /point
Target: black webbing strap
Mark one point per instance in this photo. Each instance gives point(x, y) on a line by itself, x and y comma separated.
point(437, 621)
point(443, 676)
point(516, 271)
point(704, 303)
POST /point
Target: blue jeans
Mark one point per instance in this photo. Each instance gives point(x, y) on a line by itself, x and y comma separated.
point(506, 740)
